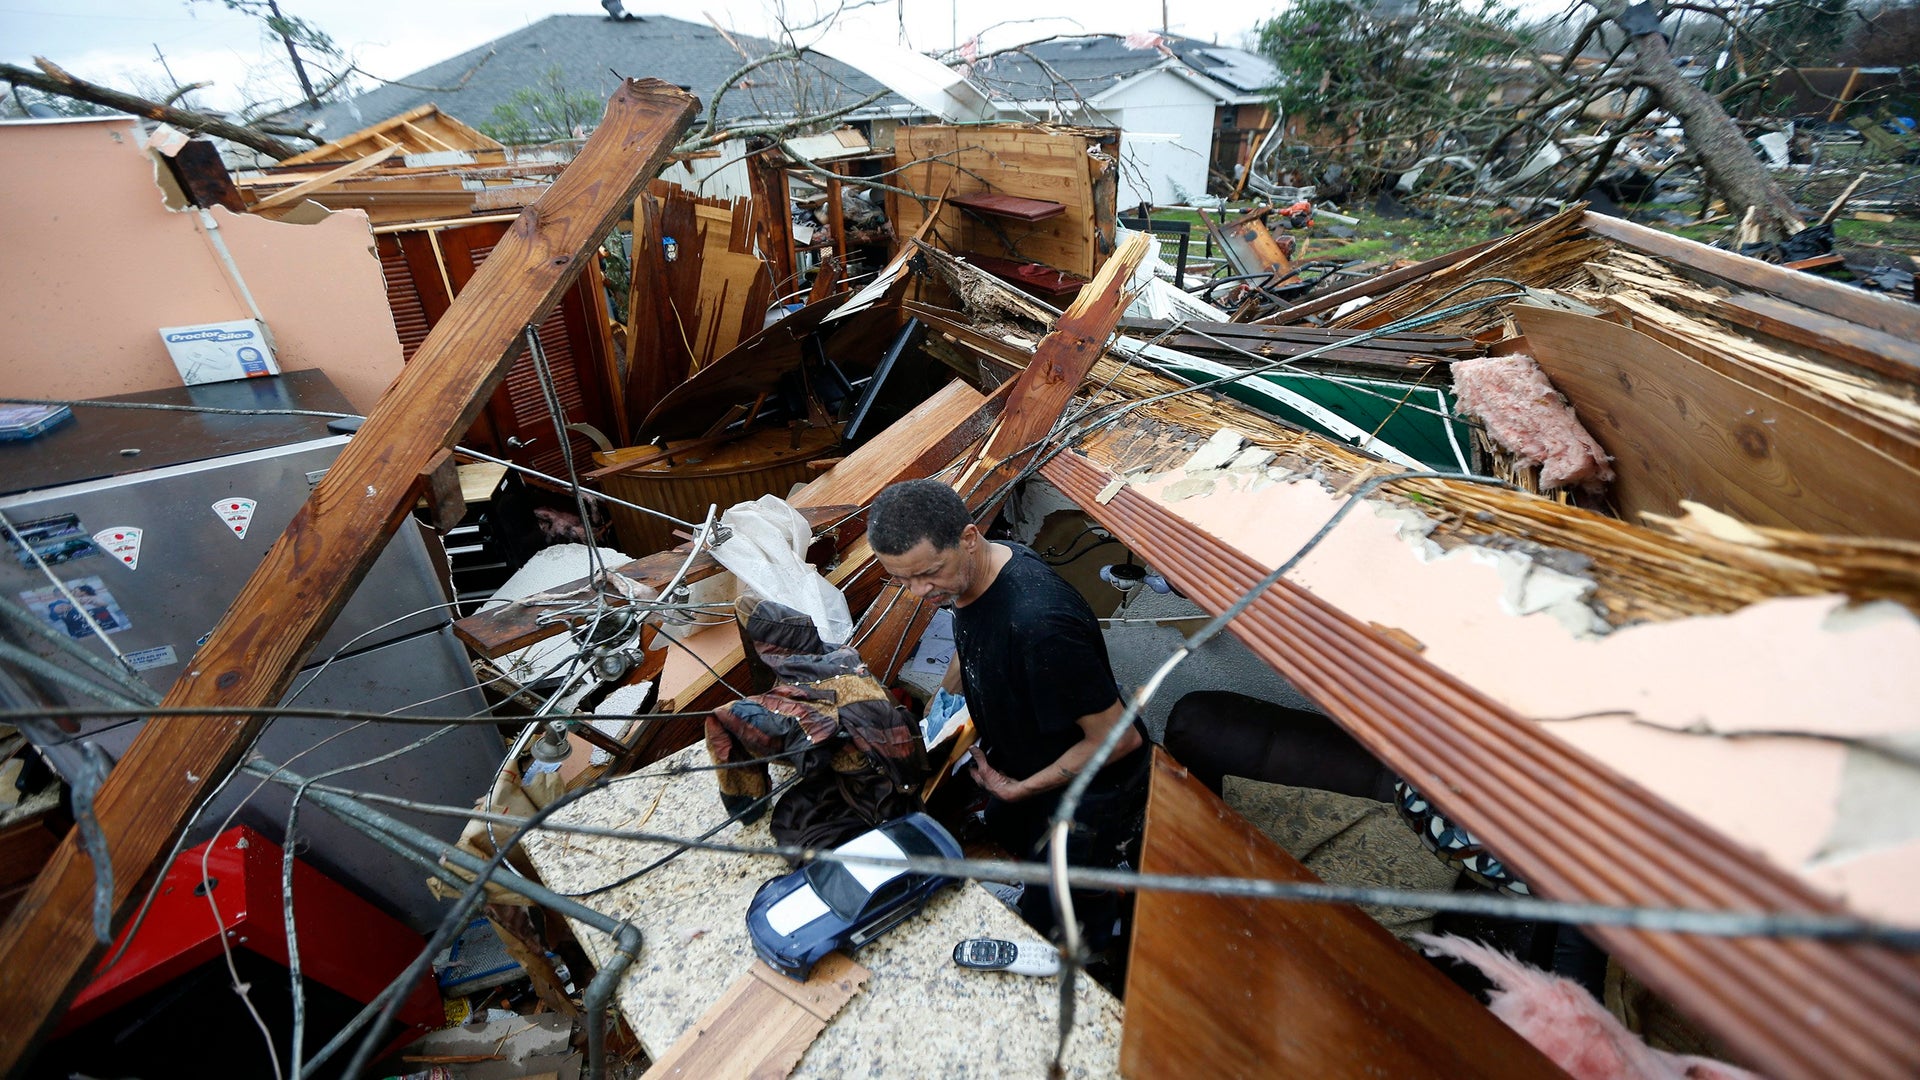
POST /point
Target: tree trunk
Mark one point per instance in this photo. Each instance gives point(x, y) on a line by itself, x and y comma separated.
point(1730, 165)
point(56, 81)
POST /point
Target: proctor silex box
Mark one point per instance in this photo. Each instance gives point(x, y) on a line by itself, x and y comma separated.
point(218, 352)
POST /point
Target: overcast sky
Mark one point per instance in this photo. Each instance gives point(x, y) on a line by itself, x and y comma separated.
point(115, 41)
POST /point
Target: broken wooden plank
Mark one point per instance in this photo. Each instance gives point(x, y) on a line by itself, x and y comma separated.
point(1061, 361)
point(1737, 358)
point(1875, 350)
point(1375, 285)
point(1678, 430)
point(292, 597)
point(1317, 990)
point(761, 1027)
point(300, 191)
point(447, 132)
point(1891, 316)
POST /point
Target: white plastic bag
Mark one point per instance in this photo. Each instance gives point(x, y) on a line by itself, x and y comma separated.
point(767, 552)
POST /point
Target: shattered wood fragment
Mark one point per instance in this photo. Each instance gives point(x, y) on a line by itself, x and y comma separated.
point(422, 130)
point(1546, 255)
point(1375, 285)
point(300, 191)
point(1061, 362)
point(290, 600)
point(1857, 306)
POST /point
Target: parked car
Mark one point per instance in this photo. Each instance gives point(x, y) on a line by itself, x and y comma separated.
point(797, 918)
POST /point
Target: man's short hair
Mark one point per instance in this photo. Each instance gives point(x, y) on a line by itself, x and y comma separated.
point(916, 510)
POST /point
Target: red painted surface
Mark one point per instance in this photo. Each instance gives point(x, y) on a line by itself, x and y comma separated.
point(346, 943)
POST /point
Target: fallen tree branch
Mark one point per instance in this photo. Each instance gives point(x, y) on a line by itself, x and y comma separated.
point(52, 79)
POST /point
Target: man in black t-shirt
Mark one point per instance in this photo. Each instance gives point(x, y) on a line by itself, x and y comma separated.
point(1033, 667)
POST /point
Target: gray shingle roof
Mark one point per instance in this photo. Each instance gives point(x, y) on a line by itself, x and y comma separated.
point(1091, 64)
point(592, 52)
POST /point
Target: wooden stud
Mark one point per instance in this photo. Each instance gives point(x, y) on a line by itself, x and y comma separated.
point(301, 191)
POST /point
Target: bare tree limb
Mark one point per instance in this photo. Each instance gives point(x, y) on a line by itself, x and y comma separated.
point(52, 79)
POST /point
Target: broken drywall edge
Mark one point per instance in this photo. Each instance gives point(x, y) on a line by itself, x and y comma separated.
point(1847, 618)
point(1879, 805)
point(1216, 452)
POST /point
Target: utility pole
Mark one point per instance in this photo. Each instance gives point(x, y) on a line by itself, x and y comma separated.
point(173, 83)
point(299, 69)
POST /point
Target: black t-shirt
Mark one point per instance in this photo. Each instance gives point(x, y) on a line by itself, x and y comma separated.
point(1032, 663)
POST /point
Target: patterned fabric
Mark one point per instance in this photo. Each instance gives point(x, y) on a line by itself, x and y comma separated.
point(1346, 840)
point(1455, 844)
point(827, 710)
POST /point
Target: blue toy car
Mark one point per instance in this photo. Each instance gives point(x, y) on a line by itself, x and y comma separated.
point(797, 918)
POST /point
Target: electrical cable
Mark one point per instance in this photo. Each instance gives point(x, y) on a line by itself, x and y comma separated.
point(1699, 921)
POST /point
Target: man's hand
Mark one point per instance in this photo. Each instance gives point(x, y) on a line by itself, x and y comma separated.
point(993, 781)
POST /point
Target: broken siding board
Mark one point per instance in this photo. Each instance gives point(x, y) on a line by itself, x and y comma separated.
point(1678, 430)
point(1061, 361)
point(289, 601)
point(1887, 315)
point(1824, 353)
point(1733, 357)
point(1316, 990)
point(1375, 285)
point(299, 191)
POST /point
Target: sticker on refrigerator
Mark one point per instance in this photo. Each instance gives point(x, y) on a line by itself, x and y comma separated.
point(145, 659)
point(237, 513)
point(55, 539)
point(97, 608)
point(123, 543)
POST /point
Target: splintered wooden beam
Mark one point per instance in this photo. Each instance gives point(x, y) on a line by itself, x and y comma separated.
point(47, 944)
point(1059, 365)
point(1316, 989)
point(1858, 306)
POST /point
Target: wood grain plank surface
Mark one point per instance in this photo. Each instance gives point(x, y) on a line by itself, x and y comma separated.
point(1260, 988)
point(1679, 430)
point(761, 1027)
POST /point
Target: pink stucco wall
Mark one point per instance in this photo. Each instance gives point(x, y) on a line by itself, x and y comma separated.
point(95, 263)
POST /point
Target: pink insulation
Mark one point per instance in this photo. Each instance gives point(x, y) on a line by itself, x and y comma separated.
point(1527, 417)
point(1563, 1021)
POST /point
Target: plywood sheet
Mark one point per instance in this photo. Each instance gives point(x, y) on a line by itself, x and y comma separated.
point(1056, 165)
point(1274, 988)
point(1678, 430)
point(763, 1024)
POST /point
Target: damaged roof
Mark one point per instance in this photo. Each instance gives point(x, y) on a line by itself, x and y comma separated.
point(1092, 64)
point(592, 54)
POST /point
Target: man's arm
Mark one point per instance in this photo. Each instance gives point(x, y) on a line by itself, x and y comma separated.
point(1094, 728)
